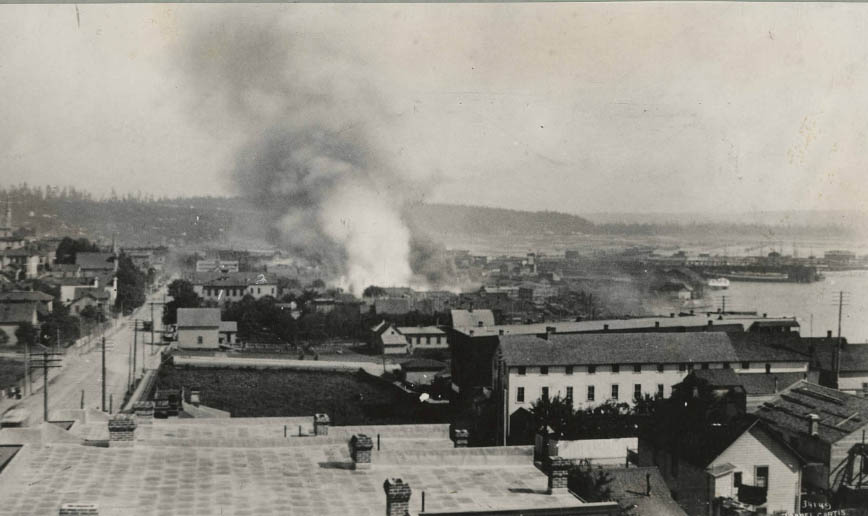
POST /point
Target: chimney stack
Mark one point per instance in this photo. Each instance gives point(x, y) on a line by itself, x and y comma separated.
point(814, 425)
point(656, 324)
point(397, 497)
point(321, 424)
point(828, 334)
point(460, 436)
point(605, 327)
point(122, 430)
point(144, 411)
point(360, 451)
point(559, 470)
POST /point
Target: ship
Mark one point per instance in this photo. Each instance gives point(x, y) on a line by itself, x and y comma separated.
point(718, 283)
point(758, 276)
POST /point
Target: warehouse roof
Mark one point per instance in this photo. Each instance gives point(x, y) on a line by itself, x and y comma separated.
point(95, 260)
point(617, 348)
point(840, 413)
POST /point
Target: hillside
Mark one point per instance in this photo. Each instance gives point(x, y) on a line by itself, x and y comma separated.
point(470, 220)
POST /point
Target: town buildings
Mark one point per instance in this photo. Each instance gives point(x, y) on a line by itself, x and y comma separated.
point(223, 287)
point(202, 328)
point(13, 315)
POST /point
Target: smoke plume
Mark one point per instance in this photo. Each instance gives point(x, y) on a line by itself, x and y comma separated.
point(314, 156)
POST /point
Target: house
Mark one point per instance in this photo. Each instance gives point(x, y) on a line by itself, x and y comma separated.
point(421, 371)
point(96, 263)
point(740, 460)
point(472, 318)
point(536, 292)
point(200, 328)
point(424, 337)
point(224, 287)
point(67, 286)
point(228, 333)
point(824, 425)
point(24, 260)
point(841, 365)
point(65, 270)
point(12, 315)
point(28, 296)
point(96, 297)
point(389, 341)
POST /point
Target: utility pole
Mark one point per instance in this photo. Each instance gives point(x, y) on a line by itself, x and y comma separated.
point(45, 360)
point(135, 347)
point(28, 386)
point(841, 301)
point(103, 374)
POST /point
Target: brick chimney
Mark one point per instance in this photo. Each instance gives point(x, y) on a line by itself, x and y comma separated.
point(321, 424)
point(360, 451)
point(79, 509)
point(144, 411)
point(559, 471)
point(397, 497)
point(460, 436)
point(122, 430)
point(814, 425)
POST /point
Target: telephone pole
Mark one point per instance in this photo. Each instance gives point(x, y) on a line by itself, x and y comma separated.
point(45, 360)
point(103, 374)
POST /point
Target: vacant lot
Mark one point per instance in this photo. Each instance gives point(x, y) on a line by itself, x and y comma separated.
point(10, 372)
point(348, 398)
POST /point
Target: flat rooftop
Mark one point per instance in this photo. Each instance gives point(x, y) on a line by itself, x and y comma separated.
point(246, 466)
point(698, 320)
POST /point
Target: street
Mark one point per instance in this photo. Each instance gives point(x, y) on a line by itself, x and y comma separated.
point(82, 364)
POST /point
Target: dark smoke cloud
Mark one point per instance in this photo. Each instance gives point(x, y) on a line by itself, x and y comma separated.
point(314, 159)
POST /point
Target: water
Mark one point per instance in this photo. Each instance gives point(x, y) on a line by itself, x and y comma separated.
point(803, 300)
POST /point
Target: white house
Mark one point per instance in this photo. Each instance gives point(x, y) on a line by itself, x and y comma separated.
point(201, 328)
point(234, 286)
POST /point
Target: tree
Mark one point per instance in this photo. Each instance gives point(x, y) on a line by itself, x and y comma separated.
point(555, 413)
point(60, 320)
point(131, 285)
point(69, 248)
point(26, 333)
point(374, 291)
point(183, 296)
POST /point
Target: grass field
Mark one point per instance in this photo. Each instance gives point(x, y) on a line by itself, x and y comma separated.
point(10, 372)
point(348, 398)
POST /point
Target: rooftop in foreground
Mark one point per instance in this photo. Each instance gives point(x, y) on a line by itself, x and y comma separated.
point(250, 466)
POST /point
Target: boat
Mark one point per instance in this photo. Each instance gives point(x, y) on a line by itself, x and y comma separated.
point(718, 283)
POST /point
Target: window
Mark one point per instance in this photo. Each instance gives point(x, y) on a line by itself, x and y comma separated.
point(569, 369)
point(682, 367)
point(259, 290)
point(745, 365)
point(736, 479)
point(616, 368)
point(592, 369)
point(637, 368)
point(590, 393)
point(427, 340)
point(519, 395)
point(418, 340)
point(762, 476)
point(637, 391)
point(544, 370)
point(438, 340)
point(726, 365)
point(199, 340)
point(768, 368)
point(660, 388)
point(545, 393)
point(522, 370)
point(615, 392)
point(705, 365)
point(690, 367)
point(659, 368)
point(569, 393)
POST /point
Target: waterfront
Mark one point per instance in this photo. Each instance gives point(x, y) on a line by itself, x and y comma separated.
point(804, 300)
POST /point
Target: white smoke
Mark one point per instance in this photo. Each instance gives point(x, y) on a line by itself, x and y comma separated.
point(314, 159)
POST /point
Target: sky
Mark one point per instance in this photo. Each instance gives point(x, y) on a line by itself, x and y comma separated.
point(581, 108)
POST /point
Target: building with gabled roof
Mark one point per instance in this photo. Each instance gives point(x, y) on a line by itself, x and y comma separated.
point(28, 296)
point(202, 328)
point(96, 263)
point(13, 315)
point(223, 287)
point(424, 337)
point(823, 425)
point(472, 318)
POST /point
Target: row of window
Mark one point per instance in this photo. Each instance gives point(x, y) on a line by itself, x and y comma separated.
point(419, 340)
point(615, 392)
point(637, 368)
point(231, 292)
